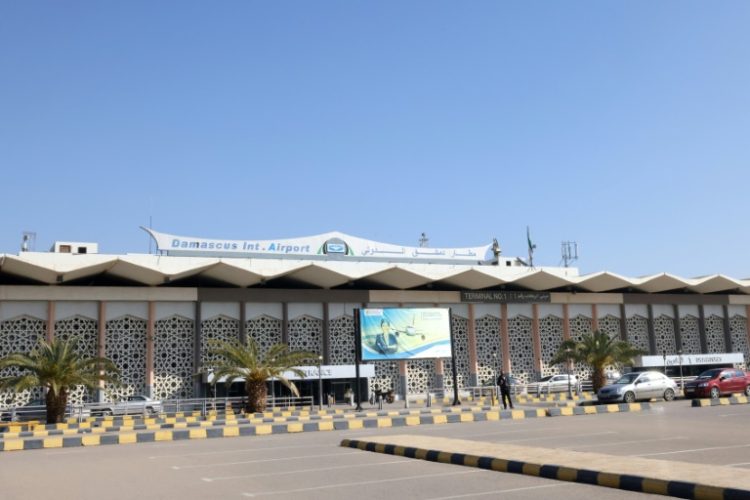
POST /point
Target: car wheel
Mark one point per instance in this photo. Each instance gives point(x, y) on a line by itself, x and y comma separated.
point(629, 397)
point(715, 393)
point(668, 395)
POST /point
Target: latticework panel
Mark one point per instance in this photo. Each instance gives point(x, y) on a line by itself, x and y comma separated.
point(86, 332)
point(125, 345)
point(305, 334)
point(342, 341)
point(638, 332)
point(521, 348)
point(690, 335)
point(174, 369)
point(461, 346)
point(580, 326)
point(20, 334)
point(420, 375)
point(715, 334)
point(551, 335)
point(664, 335)
point(213, 332)
point(386, 376)
point(489, 352)
point(265, 331)
point(610, 325)
point(738, 329)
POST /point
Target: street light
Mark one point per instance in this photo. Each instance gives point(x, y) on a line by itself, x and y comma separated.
point(320, 383)
point(664, 355)
point(494, 383)
point(682, 380)
point(273, 386)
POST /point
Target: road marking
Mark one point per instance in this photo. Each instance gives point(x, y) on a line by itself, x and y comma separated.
point(359, 483)
point(733, 415)
point(693, 450)
point(297, 471)
point(629, 442)
point(196, 466)
point(742, 464)
point(510, 490)
point(241, 450)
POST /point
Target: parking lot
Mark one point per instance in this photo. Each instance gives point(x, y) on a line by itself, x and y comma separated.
point(312, 465)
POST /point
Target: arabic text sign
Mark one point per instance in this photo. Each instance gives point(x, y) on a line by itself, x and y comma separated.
point(505, 297)
point(404, 333)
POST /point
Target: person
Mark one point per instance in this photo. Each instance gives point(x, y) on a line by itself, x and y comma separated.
point(349, 396)
point(502, 381)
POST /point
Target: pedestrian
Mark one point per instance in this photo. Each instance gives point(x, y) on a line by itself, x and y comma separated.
point(502, 381)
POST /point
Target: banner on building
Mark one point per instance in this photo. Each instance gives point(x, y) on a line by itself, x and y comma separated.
point(404, 333)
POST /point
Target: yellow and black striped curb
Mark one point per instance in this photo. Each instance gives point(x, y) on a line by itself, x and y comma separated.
point(594, 409)
point(680, 489)
point(734, 400)
point(234, 430)
point(586, 396)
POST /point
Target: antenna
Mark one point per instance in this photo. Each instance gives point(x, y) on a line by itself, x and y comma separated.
point(531, 247)
point(569, 252)
point(28, 241)
point(423, 240)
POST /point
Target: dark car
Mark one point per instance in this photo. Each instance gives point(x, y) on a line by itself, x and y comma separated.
point(36, 409)
point(717, 382)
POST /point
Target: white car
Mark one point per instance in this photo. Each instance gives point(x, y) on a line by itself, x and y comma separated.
point(557, 383)
point(134, 405)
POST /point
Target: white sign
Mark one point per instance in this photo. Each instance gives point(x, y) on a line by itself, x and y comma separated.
point(322, 246)
point(326, 372)
point(691, 359)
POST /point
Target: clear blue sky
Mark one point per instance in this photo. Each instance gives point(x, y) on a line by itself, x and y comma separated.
point(622, 125)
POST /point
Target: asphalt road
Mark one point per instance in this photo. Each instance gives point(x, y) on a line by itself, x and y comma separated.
point(313, 466)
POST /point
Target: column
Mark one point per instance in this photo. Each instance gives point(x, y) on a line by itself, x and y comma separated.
point(505, 337)
point(439, 374)
point(285, 323)
point(403, 386)
point(150, 335)
point(50, 320)
point(566, 322)
point(197, 361)
point(536, 339)
point(243, 324)
point(651, 333)
point(101, 343)
point(727, 330)
point(702, 328)
point(594, 318)
point(472, 339)
point(623, 323)
point(325, 348)
point(677, 327)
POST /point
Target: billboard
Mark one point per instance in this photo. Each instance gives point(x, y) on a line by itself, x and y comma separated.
point(404, 333)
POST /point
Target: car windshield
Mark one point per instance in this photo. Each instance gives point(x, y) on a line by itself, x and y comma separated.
point(710, 373)
point(546, 379)
point(627, 378)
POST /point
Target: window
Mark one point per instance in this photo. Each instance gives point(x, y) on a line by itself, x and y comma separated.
point(81, 249)
point(64, 248)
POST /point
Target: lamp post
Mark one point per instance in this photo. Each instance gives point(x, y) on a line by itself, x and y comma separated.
point(320, 383)
point(273, 387)
point(664, 355)
point(567, 364)
point(682, 380)
point(494, 379)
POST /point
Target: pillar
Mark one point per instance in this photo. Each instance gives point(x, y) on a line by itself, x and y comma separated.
point(101, 340)
point(150, 336)
point(536, 339)
point(50, 320)
point(472, 340)
point(594, 318)
point(651, 332)
point(505, 337)
point(702, 328)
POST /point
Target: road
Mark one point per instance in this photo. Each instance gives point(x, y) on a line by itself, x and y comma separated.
point(313, 466)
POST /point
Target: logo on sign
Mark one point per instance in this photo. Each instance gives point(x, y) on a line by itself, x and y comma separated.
point(335, 248)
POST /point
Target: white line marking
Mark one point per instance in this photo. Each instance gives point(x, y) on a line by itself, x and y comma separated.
point(733, 415)
point(510, 490)
point(297, 471)
point(241, 450)
point(628, 442)
point(196, 466)
point(359, 483)
point(691, 451)
point(739, 464)
point(561, 436)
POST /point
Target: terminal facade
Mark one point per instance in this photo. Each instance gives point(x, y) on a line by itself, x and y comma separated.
point(156, 315)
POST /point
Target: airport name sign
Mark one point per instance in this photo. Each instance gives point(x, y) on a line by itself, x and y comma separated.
point(505, 297)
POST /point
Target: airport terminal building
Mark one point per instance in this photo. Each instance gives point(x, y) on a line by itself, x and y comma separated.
point(156, 314)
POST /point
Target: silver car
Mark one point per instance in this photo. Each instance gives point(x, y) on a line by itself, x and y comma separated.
point(639, 385)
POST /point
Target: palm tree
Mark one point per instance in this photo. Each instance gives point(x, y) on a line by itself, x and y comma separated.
point(245, 362)
point(57, 367)
point(597, 350)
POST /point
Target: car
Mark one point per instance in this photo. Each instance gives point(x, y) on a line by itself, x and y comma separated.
point(557, 383)
point(36, 409)
point(717, 382)
point(133, 405)
point(636, 386)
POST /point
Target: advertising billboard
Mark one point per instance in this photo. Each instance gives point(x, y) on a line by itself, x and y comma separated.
point(404, 333)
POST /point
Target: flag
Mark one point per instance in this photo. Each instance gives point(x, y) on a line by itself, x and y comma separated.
point(528, 238)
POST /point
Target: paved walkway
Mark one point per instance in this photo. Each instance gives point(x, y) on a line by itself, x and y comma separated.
point(681, 479)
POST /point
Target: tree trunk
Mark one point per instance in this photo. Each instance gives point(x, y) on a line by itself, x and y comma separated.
point(598, 380)
point(256, 396)
point(56, 403)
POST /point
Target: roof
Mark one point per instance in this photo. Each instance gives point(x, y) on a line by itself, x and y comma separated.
point(159, 270)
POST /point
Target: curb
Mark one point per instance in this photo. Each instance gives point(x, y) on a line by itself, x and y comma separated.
point(618, 481)
point(592, 410)
point(734, 400)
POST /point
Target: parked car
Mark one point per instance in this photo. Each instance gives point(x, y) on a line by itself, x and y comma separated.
point(639, 385)
point(133, 405)
point(557, 383)
point(717, 382)
point(36, 409)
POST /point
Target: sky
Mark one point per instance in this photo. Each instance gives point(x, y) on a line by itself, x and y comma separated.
point(623, 126)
